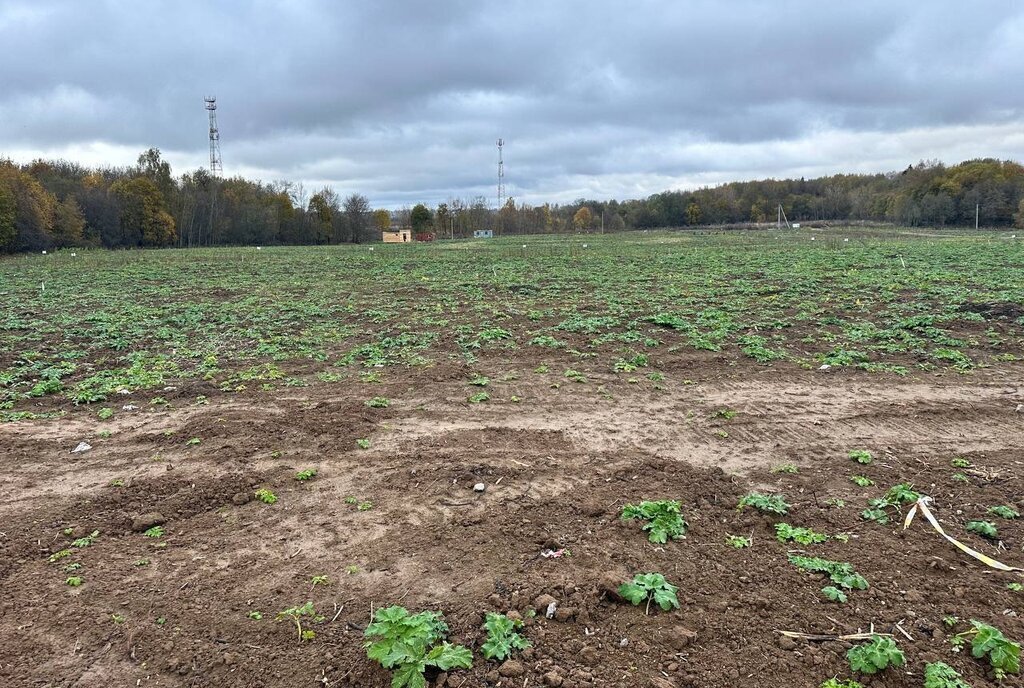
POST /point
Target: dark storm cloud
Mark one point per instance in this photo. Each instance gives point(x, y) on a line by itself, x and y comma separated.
point(403, 101)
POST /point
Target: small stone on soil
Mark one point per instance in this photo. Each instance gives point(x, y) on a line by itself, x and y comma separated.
point(479, 487)
point(512, 669)
point(147, 521)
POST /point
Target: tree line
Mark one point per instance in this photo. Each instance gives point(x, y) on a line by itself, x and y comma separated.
point(53, 204)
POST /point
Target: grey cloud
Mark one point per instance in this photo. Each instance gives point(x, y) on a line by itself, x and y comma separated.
point(403, 101)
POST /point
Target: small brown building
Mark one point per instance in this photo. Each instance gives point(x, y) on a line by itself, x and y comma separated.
point(399, 236)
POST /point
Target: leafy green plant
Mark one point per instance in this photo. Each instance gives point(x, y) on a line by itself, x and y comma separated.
point(841, 573)
point(410, 643)
point(480, 381)
point(86, 540)
point(861, 456)
point(876, 655)
point(834, 682)
point(307, 474)
point(364, 506)
point(737, 541)
point(861, 480)
point(663, 519)
point(255, 614)
point(960, 462)
point(1004, 512)
point(1003, 654)
point(984, 528)
point(785, 468)
point(105, 413)
point(74, 581)
point(478, 397)
point(836, 502)
point(265, 496)
point(767, 504)
point(834, 594)
point(193, 441)
point(1015, 587)
point(725, 414)
point(320, 580)
point(502, 636)
point(805, 536)
point(379, 402)
point(363, 443)
point(650, 587)
point(941, 675)
point(154, 532)
point(296, 615)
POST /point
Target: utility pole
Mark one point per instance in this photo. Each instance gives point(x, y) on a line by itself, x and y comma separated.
point(501, 185)
point(977, 208)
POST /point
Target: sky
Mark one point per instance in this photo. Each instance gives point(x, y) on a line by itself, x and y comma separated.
point(403, 101)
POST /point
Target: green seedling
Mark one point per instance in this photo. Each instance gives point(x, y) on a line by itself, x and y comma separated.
point(941, 675)
point(265, 496)
point(141, 562)
point(875, 655)
point(320, 580)
point(737, 541)
point(834, 682)
point(785, 468)
point(296, 615)
point(351, 500)
point(502, 636)
point(363, 443)
point(105, 413)
point(117, 482)
point(960, 478)
point(351, 569)
point(409, 644)
point(861, 481)
point(478, 397)
point(154, 532)
point(1015, 587)
point(805, 536)
point(663, 519)
point(194, 441)
point(117, 618)
point(255, 614)
point(834, 594)
point(1003, 654)
point(379, 402)
point(1004, 512)
point(724, 414)
point(960, 462)
point(766, 504)
point(862, 456)
point(161, 620)
point(87, 540)
point(74, 581)
point(480, 381)
point(841, 573)
point(75, 566)
point(308, 474)
point(984, 528)
point(650, 587)
point(836, 502)
point(950, 621)
point(364, 506)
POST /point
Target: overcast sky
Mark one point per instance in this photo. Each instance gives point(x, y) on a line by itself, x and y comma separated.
point(403, 101)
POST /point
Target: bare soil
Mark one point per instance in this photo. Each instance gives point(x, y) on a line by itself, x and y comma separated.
point(558, 465)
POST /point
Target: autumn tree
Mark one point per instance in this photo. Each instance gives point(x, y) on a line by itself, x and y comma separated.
point(144, 218)
point(68, 224)
point(583, 220)
point(323, 206)
point(381, 220)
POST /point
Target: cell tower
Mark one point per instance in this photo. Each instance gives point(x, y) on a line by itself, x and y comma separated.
point(501, 176)
point(215, 166)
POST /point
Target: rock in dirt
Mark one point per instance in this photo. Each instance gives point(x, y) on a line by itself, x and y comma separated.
point(552, 679)
point(512, 669)
point(82, 447)
point(479, 487)
point(659, 682)
point(787, 643)
point(564, 614)
point(241, 498)
point(148, 520)
point(609, 584)
point(681, 637)
point(542, 602)
point(590, 656)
